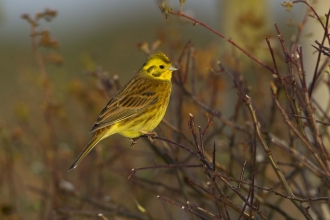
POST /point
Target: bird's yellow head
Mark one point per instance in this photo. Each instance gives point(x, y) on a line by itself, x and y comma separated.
point(158, 66)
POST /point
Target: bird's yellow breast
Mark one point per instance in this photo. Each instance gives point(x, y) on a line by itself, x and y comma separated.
point(149, 118)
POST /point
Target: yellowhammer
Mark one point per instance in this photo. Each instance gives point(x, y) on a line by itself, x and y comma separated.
point(138, 107)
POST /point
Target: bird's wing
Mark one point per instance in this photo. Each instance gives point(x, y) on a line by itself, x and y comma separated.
point(127, 103)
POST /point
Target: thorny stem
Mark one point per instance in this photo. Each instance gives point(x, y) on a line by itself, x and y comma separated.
point(265, 147)
point(209, 168)
point(280, 143)
point(186, 208)
point(290, 62)
point(167, 166)
point(311, 114)
point(302, 138)
point(323, 198)
point(317, 121)
point(193, 206)
point(326, 35)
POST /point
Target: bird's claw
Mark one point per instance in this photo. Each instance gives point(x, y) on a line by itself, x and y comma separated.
point(134, 141)
point(151, 136)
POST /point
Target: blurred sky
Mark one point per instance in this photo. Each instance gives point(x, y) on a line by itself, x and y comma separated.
point(82, 25)
point(85, 16)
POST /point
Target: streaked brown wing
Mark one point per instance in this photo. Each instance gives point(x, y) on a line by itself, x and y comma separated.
point(126, 105)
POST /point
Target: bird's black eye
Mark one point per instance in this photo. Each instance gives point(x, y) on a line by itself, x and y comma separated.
point(161, 66)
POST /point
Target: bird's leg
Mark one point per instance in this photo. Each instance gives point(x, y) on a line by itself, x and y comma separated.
point(134, 141)
point(151, 135)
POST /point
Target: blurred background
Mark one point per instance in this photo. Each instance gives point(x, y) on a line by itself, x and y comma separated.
point(107, 30)
point(110, 29)
point(110, 37)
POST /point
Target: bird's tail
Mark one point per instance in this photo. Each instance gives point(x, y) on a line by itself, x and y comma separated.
point(95, 139)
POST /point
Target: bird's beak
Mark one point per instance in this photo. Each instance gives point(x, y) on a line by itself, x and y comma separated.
point(172, 68)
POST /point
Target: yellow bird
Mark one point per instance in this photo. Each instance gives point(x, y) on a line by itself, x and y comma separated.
point(138, 107)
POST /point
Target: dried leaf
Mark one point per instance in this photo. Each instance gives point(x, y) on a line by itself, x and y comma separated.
point(288, 5)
